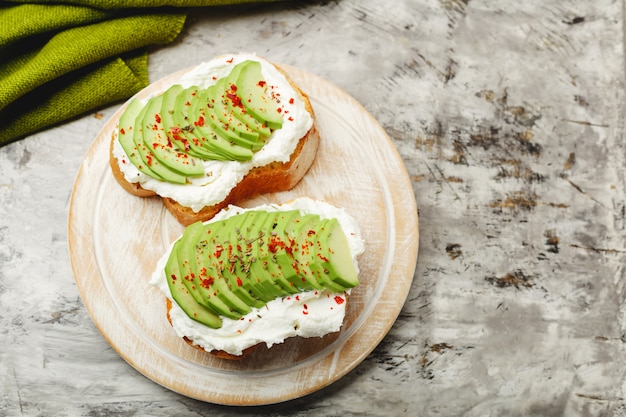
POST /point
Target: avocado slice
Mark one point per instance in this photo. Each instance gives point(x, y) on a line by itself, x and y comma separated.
point(252, 89)
point(142, 124)
point(183, 297)
point(187, 265)
point(174, 123)
point(238, 271)
point(167, 116)
point(320, 254)
point(156, 139)
point(249, 238)
point(204, 279)
point(226, 258)
point(294, 260)
point(217, 120)
point(256, 238)
point(333, 255)
point(246, 135)
point(184, 128)
point(266, 259)
point(125, 136)
point(217, 286)
point(235, 107)
point(199, 114)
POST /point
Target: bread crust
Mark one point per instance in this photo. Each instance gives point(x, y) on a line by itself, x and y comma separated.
point(274, 177)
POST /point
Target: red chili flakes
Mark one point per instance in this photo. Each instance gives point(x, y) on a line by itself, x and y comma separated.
point(122, 131)
point(218, 251)
point(174, 278)
point(239, 283)
point(261, 83)
point(206, 283)
point(305, 311)
point(199, 122)
point(311, 232)
point(290, 119)
point(275, 243)
point(157, 117)
point(230, 61)
point(291, 100)
point(235, 99)
point(339, 299)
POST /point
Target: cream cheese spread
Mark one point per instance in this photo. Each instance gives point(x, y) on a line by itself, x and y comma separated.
point(222, 176)
point(308, 314)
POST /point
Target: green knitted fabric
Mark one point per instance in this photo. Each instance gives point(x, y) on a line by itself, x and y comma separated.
point(60, 60)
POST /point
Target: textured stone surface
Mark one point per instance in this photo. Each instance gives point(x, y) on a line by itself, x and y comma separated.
point(509, 118)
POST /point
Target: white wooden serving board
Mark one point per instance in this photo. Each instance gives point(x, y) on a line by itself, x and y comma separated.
point(115, 240)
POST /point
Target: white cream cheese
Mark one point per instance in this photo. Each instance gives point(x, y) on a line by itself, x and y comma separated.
point(222, 176)
point(308, 314)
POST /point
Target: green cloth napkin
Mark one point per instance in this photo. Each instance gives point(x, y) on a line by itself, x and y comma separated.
point(60, 60)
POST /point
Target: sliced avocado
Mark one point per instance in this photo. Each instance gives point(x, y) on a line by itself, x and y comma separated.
point(175, 126)
point(320, 261)
point(226, 259)
point(142, 124)
point(168, 108)
point(218, 287)
point(235, 106)
point(187, 264)
point(295, 259)
point(304, 253)
point(256, 100)
point(183, 297)
point(126, 133)
point(257, 237)
point(155, 137)
point(266, 259)
point(203, 279)
point(333, 254)
point(217, 120)
point(184, 127)
point(247, 136)
point(260, 285)
point(210, 139)
point(226, 267)
point(240, 258)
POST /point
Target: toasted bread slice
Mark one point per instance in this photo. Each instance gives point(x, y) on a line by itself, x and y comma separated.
point(274, 177)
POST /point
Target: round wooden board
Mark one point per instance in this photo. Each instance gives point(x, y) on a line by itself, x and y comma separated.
point(115, 240)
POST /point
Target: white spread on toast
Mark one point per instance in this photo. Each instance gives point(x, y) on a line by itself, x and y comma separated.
point(308, 314)
point(220, 176)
